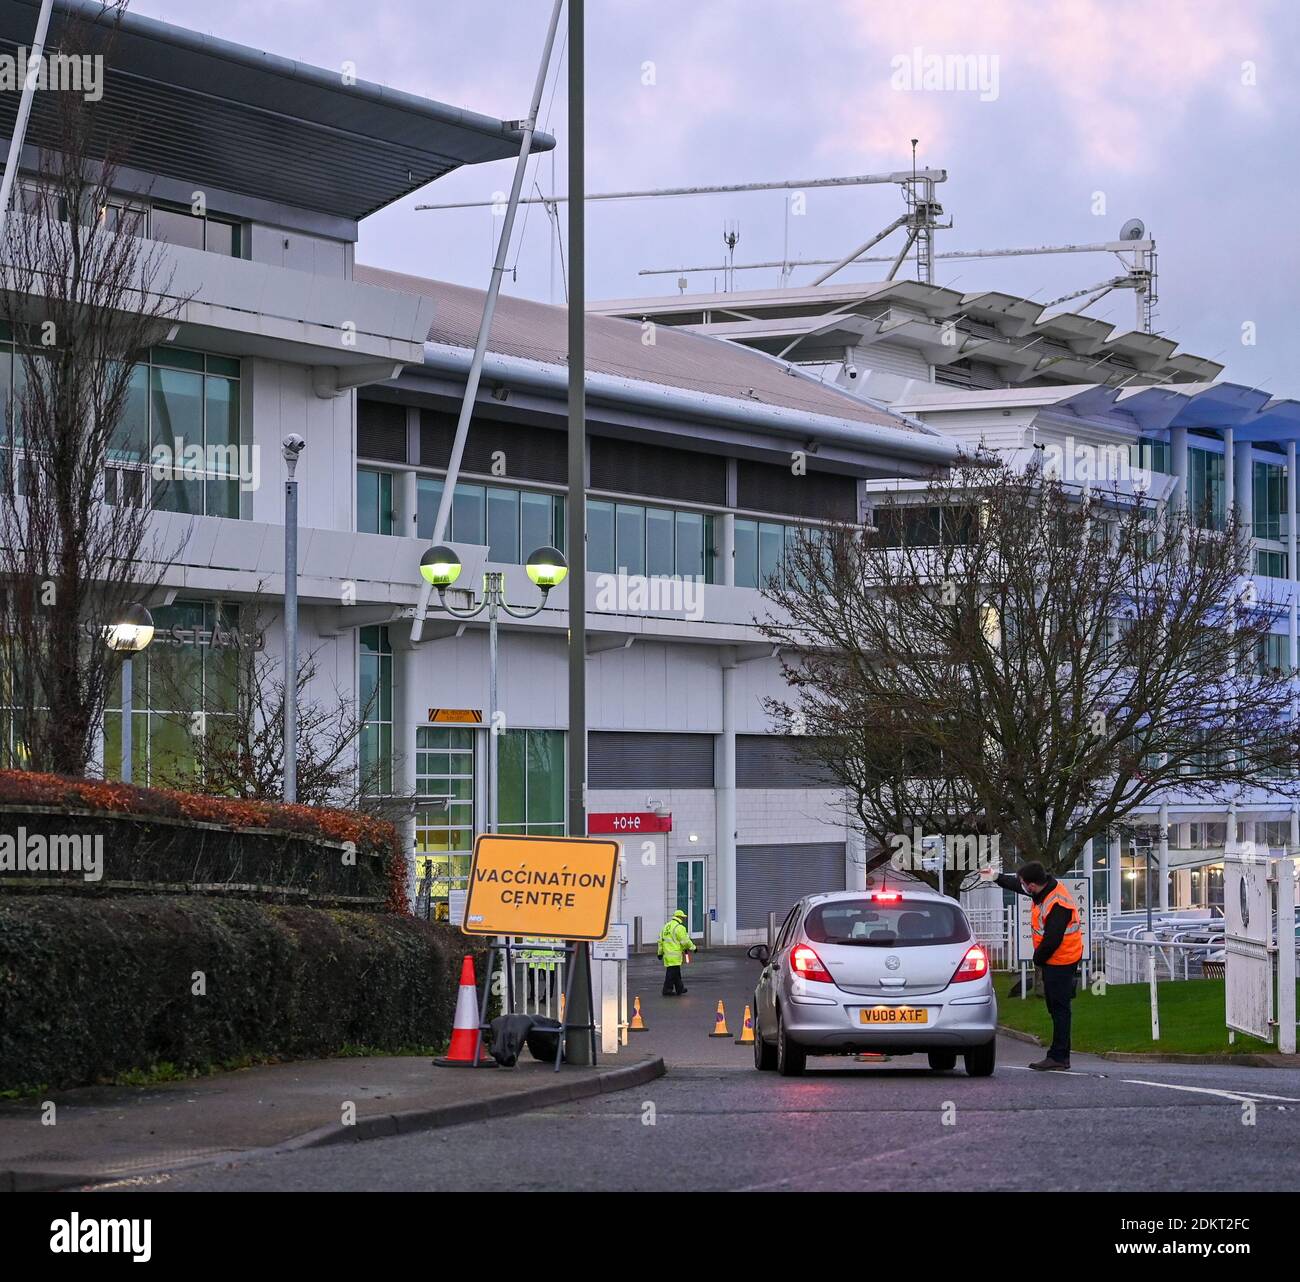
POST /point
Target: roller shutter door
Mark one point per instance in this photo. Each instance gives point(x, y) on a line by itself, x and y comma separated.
point(617, 759)
point(775, 761)
point(771, 878)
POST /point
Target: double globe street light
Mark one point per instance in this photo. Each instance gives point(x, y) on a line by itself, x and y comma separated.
point(440, 567)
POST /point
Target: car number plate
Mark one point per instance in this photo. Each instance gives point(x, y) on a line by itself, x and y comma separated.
point(894, 1015)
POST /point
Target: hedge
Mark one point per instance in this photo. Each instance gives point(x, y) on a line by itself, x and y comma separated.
point(158, 839)
point(91, 988)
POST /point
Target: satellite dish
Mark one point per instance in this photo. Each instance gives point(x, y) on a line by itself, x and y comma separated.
point(1134, 229)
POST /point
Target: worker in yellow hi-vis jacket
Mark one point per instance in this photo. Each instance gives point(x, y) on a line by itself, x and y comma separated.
point(675, 943)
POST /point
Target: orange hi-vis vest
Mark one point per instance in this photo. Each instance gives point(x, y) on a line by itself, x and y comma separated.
point(1071, 948)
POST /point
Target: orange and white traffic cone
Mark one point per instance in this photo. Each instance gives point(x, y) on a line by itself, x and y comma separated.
point(720, 1028)
point(638, 1024)
point(465, 1035)
point(746, 1037)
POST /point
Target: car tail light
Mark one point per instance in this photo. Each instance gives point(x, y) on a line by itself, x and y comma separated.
point(885, 896)
point(975, 965)
point(805, 963)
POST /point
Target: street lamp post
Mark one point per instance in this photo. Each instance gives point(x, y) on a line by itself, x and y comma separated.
point(128, 637)
point(293, 447)
point(440, 567)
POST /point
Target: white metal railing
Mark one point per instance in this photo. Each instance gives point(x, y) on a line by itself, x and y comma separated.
point(995, 930)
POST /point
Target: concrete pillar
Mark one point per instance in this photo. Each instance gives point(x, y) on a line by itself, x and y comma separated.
point(725, 802)
point(1178, 461)
point(727, 549)
point(1087, 869)
point(1162, 865)
point(406, 502)
point(1229, 474)
point(1114, 875)
point(407, 715)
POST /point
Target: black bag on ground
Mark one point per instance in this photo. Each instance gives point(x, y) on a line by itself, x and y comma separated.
point(542, 1038)
point(509, 1033)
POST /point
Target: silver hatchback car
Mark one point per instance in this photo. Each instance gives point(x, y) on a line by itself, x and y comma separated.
point(892, 969)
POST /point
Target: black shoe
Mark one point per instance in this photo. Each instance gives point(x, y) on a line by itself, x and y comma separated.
point(667, 994)
point(681, 992)
point(1051, 1066)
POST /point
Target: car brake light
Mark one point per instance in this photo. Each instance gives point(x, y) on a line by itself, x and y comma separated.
point(885, 896)
point(805, 963)
point(975, 965)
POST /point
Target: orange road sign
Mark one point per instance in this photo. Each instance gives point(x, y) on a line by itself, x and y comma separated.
point(461, 716)
point(547, 887)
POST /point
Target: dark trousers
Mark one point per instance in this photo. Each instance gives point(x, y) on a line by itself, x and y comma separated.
point(1058, 988)
point(673, 981)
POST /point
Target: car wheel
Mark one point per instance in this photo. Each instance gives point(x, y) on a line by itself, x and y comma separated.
point(791, 1058)
point(942, 1061)
point(764, 1055)
point(981, 1060)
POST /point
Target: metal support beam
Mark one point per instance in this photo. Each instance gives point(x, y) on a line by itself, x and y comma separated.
point(579, 1046)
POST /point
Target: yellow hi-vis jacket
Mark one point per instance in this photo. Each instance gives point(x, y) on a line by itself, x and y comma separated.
point(674, 942)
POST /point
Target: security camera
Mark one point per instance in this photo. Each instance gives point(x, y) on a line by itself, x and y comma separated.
point(293, 444)
point(850, 369)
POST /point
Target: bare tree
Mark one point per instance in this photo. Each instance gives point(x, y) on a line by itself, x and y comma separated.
point(1015, 658)
point(83, 297)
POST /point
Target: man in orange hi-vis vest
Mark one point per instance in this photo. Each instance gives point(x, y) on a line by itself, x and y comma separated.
point(1058, 947)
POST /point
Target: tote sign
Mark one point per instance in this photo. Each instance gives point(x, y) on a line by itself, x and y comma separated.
point(547, 887)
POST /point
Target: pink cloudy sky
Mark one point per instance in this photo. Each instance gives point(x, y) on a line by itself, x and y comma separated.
point(1180, 112)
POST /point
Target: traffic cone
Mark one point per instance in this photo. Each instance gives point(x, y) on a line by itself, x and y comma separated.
point(638, 1024)
point(746, 1037)
point(465, 1028)
point(720, 1023)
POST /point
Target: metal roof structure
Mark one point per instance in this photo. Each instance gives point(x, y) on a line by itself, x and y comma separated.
point(1252, 415)
point(1024, 338)
point(191, 107)
point(537, 332)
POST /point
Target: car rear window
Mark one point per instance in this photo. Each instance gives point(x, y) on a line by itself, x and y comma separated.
point(898, 923)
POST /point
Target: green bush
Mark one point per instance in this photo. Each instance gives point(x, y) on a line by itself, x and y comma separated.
point(92, 988)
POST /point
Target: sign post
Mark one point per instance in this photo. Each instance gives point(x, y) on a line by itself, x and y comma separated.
point(558, 888)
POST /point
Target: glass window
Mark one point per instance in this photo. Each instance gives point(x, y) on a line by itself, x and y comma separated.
point(631, 538)
point(1205, 487)
point(1270, 500)
point(531, 782)
point(771, 547)
point(746, 553)
point(176, 403)
point(131, 440)
point(374, 501)
point(600, 537)
point(659, 541)
point(536, 521)
point(468, 514)
point(176, 227)
point(690, 544)
point(428, 496)
point(870, 923)
point(375, 690)
point(503, 526)
point(222, 238)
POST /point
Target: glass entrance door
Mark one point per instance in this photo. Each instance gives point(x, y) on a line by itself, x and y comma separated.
point(690, 893)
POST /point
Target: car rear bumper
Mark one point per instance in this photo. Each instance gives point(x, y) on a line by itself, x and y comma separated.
point(952, 1023)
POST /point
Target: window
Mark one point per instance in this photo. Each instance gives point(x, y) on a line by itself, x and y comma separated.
point(655, 541)
point(179, 440)
point(901, 923)
point(761, 548)
point(1152, 455)
point(181, 684)
point(510, 523)
point(374, 501)
point(1271, 563)
point(175, 225)
point(530, 784)
point(1274, 653)
point(1270, 500)
point(444, 834)
point(376, 708)
point(1205, 492)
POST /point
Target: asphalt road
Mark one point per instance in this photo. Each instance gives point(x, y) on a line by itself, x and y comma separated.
point(715, 1123)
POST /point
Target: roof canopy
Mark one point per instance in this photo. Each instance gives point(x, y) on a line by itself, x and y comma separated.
point(203, 110)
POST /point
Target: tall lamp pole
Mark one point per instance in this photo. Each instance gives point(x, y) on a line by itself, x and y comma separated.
point(440, 567)
point(128, 636)
point(293, 447)
point(579, 1049)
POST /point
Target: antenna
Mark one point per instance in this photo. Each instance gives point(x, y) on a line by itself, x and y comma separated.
point(730, 238)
